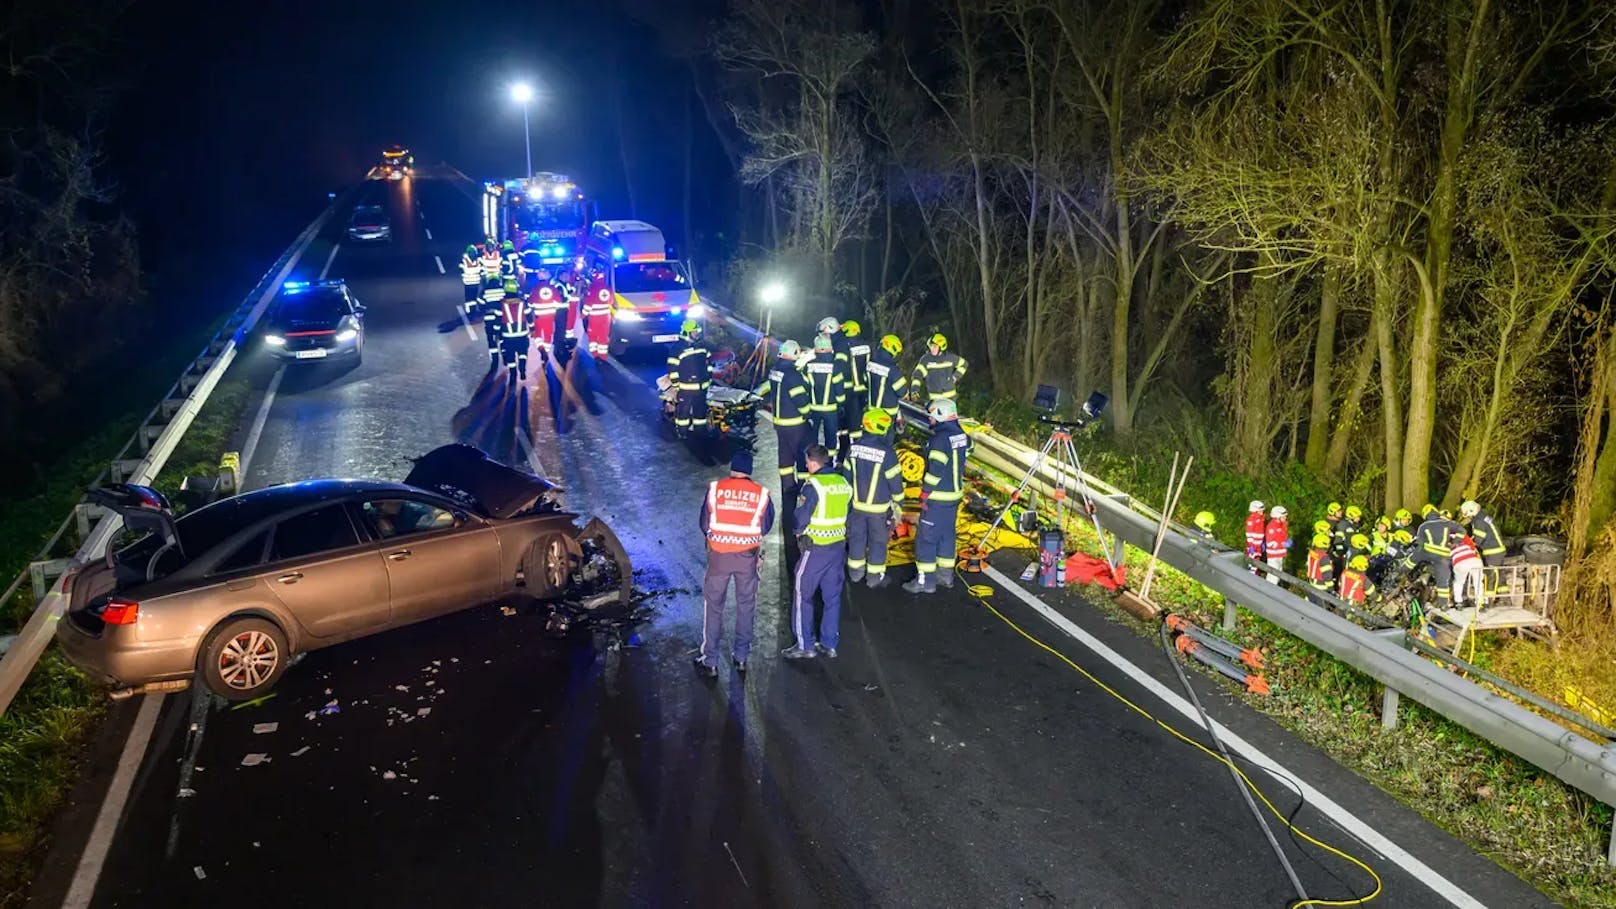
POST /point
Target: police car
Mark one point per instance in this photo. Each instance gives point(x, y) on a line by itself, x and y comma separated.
point(315, 320)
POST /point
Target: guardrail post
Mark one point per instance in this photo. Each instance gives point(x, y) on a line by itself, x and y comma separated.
point(1610, 856)
point(1230, 613)
point(36, 573)
point(1389, 698)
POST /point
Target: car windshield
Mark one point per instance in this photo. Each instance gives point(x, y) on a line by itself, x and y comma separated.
point(369, 217)
point(643, 277)
point(567, 214)
point(310, 306)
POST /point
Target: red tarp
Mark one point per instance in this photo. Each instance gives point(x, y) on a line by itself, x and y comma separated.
point(1082, 568)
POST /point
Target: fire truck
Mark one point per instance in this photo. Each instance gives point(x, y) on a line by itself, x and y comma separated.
point(397, 162)
point(546, 214)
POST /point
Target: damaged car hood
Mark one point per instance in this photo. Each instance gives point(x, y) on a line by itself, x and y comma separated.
point(466, 474)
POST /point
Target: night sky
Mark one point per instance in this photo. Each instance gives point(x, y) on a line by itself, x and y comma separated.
point(237, 120)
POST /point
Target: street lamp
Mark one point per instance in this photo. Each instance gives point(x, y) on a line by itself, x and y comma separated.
point(770, 296)
point(522, 93)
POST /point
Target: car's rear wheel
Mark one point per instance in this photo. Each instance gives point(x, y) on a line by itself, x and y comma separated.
point(243, 658)
point(547, 566)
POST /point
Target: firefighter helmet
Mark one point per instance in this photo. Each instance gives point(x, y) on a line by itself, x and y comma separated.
point(1256, 505)
point(507, 246)
point(828, 325)
point(1278, 512)
point(942, 409)
point(1469, 509)
point(1334, 508)
point(1383, 523)
point(1359, 563)
point(1446, 514)
point(877, 421)
point(1354, 513)
point(1359, 541)
point(851, 328)
point(511, 287)
point(471, 249)
point(892, 345)
point(690, 330)
point(1403, 536)
point(790, 350)
point(1321, 526)
point(939, 341)
point(1403, 517)
point(1204, 521)
point(1427, 510)
point(1321, 541)
point(821, 343)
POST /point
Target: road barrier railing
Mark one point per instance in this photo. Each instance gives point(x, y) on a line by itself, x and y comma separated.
point(139, 461)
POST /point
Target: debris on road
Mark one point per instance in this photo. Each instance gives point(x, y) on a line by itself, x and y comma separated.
point(187, 793)
point(255, 702)
point(508, 610)
point(200, 874)
point(422, 711)
point(253, 760)
point(331, 707)
point(389, 775)
point(265, 728)
point(301, 751)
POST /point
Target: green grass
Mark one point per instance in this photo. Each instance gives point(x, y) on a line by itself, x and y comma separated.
point(1526, 820)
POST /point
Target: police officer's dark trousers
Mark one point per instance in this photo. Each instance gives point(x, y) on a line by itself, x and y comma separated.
point(743, 568)
point(819, 569)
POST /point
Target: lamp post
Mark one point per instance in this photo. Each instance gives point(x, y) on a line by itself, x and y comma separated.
point(522, 93)
point(770, 295)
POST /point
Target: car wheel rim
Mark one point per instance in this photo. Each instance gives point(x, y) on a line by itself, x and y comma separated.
point(248, 660)
point(555, 564)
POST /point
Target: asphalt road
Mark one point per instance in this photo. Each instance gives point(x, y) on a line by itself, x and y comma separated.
point(942, 760)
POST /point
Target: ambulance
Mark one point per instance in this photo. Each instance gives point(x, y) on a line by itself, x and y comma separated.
point(652, 294)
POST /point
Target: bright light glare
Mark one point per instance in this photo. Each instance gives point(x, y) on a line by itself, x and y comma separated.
point(626, 315)
point(617, 252)
point(274, 340)
point(560, 192)
point(347, 334)
point(697, 311)
point(772, 293)
point(521, 92)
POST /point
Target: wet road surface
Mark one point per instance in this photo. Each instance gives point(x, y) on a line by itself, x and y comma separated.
point(476, 760)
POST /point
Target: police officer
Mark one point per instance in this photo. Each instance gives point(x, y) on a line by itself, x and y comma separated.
point(787, 394)
point(471, 276)
point(940, 492)
point(877, 480)
point(885, 380)
point(827, 391)
point(938, 372)
point(735, 517)
point(1488, 541)
point(515, 323)
point(823, 502)
point(689, 375)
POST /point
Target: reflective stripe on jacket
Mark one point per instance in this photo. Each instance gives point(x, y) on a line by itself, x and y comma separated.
point(940, 374)
point(876, 477)
point(886, 382)
point(735, 512)
point(1256, 527)
point(471, 271)
point(787, 392)
point(946, 452)
point(825, 498)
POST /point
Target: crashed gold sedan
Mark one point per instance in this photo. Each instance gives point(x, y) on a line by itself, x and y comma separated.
point(233, 591)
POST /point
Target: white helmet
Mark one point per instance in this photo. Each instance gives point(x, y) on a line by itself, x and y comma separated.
point(829, 325)
point(942, 409)
point(1469, 509)
point(1257, 505)
point(1278, 512)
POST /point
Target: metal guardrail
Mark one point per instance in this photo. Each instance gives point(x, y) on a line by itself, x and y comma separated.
point(156, 438)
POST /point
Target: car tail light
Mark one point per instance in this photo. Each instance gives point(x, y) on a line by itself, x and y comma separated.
point(120, 612)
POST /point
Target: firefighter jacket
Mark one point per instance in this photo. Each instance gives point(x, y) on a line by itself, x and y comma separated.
point(515, 317)
point(1486, 535)
point(493, 292)
point(508, 264)
point(858, 363)
point(1277, 539)
point(843, 346)
point(1320, 569)
point(1435, 540)
point(827, 383)
point(1355, 586)
point(822, 506)
point(787, 393)
point(471, 270)
point(736, 515)
point(1341, 531)
point(946, 452)
point(688, 367)
point(872, 467)
point(1256, 532)
point(886, 382)
point(939, 374)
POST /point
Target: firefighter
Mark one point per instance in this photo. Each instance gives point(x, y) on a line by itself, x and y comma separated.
point(1355, 585)
point(1489, 542)
point(736, 516)
point(1380, 537)
point(493, 304)
point(1357, 545)
point(872, 466)
point(1320, 566)
point(509, 261)
point(1256, 529)
point(827, 391)
point(598, 314)
point(938, 372)
point(1204, 522)
point(1400, 544)
point(1276, 541)
point(886, 382)
point(471, 275)
point(1467, 573)
point(786, 392)
point(689, 374)
point(547, 302)
point(848, 417)
point(823, 502)
point(1403, 519)
point(515, 324)
point(941, 490)
point(490, 261)
point(1433, 547)
point(858, 360)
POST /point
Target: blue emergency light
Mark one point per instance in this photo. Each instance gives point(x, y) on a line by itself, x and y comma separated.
point(617, 253)
point(295, 285)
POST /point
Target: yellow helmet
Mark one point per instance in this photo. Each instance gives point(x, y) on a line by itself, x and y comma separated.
point(877, 421)
point(1321, 526)
point(1427, 509)
point(1359, 562)
point(1204, 520)
point(1321, 541)
point(1403, 516)
point(892, 345)
point(939, 342)
point(851, 328)
point(1332, 508)
point(1354, 513)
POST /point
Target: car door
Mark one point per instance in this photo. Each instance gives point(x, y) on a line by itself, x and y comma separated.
point(331, 580)
point(438, 559)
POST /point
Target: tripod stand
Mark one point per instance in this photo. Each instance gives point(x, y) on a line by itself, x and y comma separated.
point(1060, 451)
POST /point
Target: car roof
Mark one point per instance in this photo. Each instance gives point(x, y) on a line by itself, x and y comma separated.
point(207, 527)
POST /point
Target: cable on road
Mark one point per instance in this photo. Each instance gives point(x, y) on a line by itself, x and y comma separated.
point(982, 592)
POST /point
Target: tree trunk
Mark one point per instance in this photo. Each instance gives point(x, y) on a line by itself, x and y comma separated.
point(1254, 397)
point(984, 268)
point(886, 248)
point(1421, 425)
point(1391, 406)
point(1318, 417)
point(1346, 421)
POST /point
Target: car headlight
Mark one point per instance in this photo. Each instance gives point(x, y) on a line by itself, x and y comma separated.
point(627, 315)
point(274, 340)
point(347, 334)
point(696, 311)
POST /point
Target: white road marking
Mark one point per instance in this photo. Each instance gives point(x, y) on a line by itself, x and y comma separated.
point(106, 820)
point(428, 233)
point(532, 456)
point(1320, 802)
point(257, 430)
point(329, 259)
point(461, 311)
point(440, 263)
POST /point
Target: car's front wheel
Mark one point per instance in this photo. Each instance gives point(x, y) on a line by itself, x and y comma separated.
point(547, 566)
point(243, 658)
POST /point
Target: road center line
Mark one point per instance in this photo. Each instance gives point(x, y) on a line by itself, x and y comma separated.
point(440, 263)
point(428, 232)
point(524, 443)
point(250, 445)
point(1320, 802)
point(461, 312)
point(329, 259)
point(106, 820)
